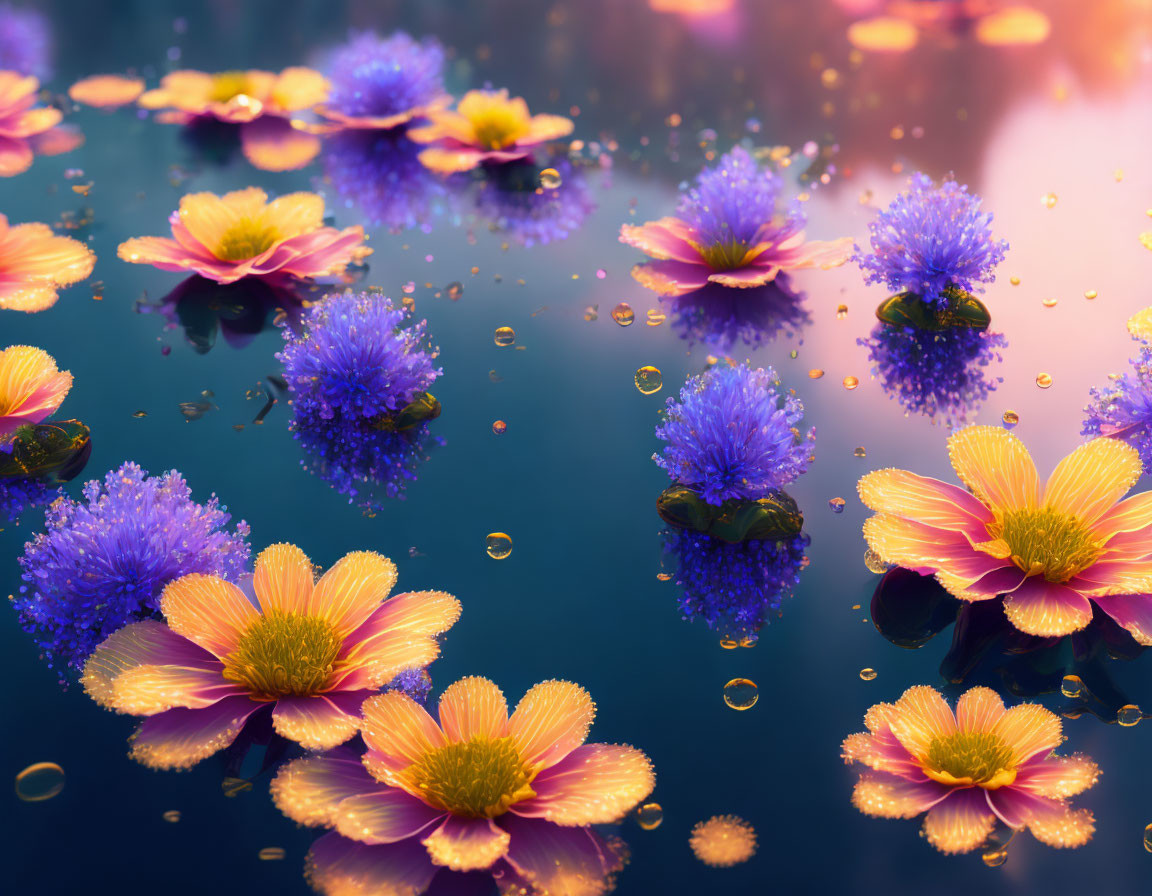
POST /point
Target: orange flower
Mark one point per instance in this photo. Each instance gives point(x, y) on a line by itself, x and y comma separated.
point(260, 103)
point(35, 263)
point(106, 91)
point(31, 387)
point(486, 126)
point(242, 234)
point(313, 651)
point(25, 131)
point(968, 768)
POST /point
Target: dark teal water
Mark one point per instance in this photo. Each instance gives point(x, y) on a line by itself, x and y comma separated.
point(572, 479)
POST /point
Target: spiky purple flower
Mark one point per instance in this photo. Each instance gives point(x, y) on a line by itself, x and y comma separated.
point(358, 359)
point(18, 494)
point(1123, 409)
point(102, 562)
point(733, 434)
point(25, 41)
point(938, 373)
point(512, 201)
point(375, 77)
point(931, 238)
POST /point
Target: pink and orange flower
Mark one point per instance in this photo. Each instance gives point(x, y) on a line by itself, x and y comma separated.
point(27, 130)
point(242, 234)
point(262, 104)
point(35, 263)
point(310, 650)
point(31, 387)
point(1051, 552)
point(969, 768)
point(485, 127)
point(474, 789)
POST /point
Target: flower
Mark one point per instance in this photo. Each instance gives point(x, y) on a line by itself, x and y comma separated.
point(898, 26)
point(239, 311)
point(723, 841)
point(1050, 552)
point(106, 91)
point(1123, 409)
point(103, 561)
point(26, 131)
point(931, 240)
point(18, 494)
point(261, 104)
point(35, 263)
point(732, 434)
point(720, 317)
point(31, 387)
point(511, 198)
point(25, 41)
point(469, 787)
point(729, 231)
point(242, 234)
point(969, 768)
point(382, 83)
point(312, 651)
point(935, 372)
point(486, 127)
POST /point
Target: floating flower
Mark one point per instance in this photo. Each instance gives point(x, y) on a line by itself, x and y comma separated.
point(31, 387)
point(35, 263)
point(242, 234)
point(723, 841)
point(899, 24)
point(719, 317)
point(26, 131)
point(25, 41)
point(730, 231)
point(937, 373)
point(473, 787)
point(511, 198)
point(102, 562)
point(106, 91)
point(733, 434)
point(1050, 552)
point(1123, 409)
point(969, 768)
point(932, 240)
point(312, 651)
point(486, 127)
point(382, 83)
point(261, 104)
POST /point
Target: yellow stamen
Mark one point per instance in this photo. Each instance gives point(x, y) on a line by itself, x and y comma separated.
point(479, 778)
point(498, 126)
point(228, 85)
point(724, 256)
point(971, 757)
point(247, 238)
point(284, 655)
point(1047, 542)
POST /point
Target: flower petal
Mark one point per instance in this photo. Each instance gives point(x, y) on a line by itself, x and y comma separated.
point(1130, 515)
point(1132, 612)
point(926, 500)
point(283, 579)
point(560, 861)
point(147, 690)
point(889, 796)
point(399, 728)
point(444, 160)
point(978, 709)
point(349, 592)
point(883, 753)
point(297, 213)
point(385, 816)
point(920, 716)
point(543, 128)
point(996, 466)
point(31, 387)
point(671, 278)
point(466, 844)
point(925, 549)
point(960, 823)
point(473, 707)
point(337, 866)
point(667, 238)
point(551, 721)
point(1047, 609)
point(298, 88)
point(1058, 776)
point(308, 790)
point(1089, 481)
point(208, 610)
point(179, 738)
point(321, 722)
point(15, 156)
point(271, 143)
point(1029, 730)
point(594, 784)
point(1051, 821)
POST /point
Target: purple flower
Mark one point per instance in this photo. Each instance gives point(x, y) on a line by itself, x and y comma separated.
point(930, 239)
point(381, 78)
point(25, 41)
point(512, 200)
point(720, 316)
point(937, 373)
point(18, 494)
point(1123, 410)
point(357, 360)
point(103, 562)
point(733, 434)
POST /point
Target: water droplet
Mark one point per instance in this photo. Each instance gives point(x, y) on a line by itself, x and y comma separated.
point(623, 314)
point(40, 781)
point(1148, 838)
point(455, 290)
point(851, 382)
point(729, 643)
point(1090, 294)
point(793, 354)
point(664, 576)
point(867, 674)
point(498, 545)
point(841, 312)
point(996, 857)
point(1072, 686)
point(171, 816)
point(233, 786)
point(649, 816)
point(1015, 281)
point(271, 854)
point(837, 505)
point(504, 336)
point(859, 452)
point(830, 78)
point(815, 373)
point(550, 179)
point(649, 379)
point(1048, 303)
point(656, 317)
point(140, 414)
point(874, 563)
point(1043, 380)
point(499, 427)
point(591, 313)
point(1049, 199)
point(1010, 418)
point(1128, 715)
point(741, 694)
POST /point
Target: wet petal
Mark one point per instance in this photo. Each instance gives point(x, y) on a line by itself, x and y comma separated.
point(271, 143)
point(466, 844)
point(450, 160)
point(355, 586)
point(925, 500)
point(179, 738)
point(889, 796)
point(384, 816)
point(1047, 609)
point(561, 861)
point(147, 690)
point(321, 722)
point(594, 784)
point(1130, 515)
point(996, 466)
point(921, 715)
point(31, 386)
point(1132, 612)
point(546, 127)
point(473, 707)
point(283, 579)
point(297, 213)
point(208, 610)
point(978, 709)
point(926, 549)
point(398, 727)
point(960, 823)
point(299, 88)
point(667, 238)
point(671, 278)
point(308, 790)
point(1090, 480)
point(1030, 730)
point(15, 156)
point(551, 721)
point(1058, 776)
point(337, 866)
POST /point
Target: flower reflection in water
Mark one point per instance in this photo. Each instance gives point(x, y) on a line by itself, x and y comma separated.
point(238, 311)
point(515, 200)
point(719, 317)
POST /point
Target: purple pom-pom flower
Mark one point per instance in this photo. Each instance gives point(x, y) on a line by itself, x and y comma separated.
point(103, 562)
point(931, 239)
point(25, 41)
point(512, 200)
point(1123, 410)
point(18, 494)
point(733, 434)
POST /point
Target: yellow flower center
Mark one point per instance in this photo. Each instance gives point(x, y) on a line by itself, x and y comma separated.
point(970, 757)
point(284, 655)
point(227, 86)
point(479, 778)
point(497, 126)
point(723, 256)
point(247, 238)
point(1048, 542)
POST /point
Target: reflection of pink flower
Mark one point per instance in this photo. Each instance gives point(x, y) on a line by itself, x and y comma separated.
point(486, 126)
point(311, 650)
point(469, 787)
point(26, 131)
point(35, 263)
point(31, 387)
point(242, 234)
point(260, 103)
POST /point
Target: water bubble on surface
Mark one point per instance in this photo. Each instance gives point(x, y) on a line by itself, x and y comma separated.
point(39, 781)
point(498, 545)
point(995, 857)
point(455, 290)
point(504, 337)
point(851, 382)
point(649, 379)
point(271, 854)
point(623, 314)
point(171, 816)
point(837, 505)
point(655, 317)
point(1043, 380)
point(1148, 838)
point(841, 312)
point(1128, 715)
point(649, 816)
point(815, 373)
point(741, 694)
point(499, 427)
point(1072, 686)
point(860, 452)
point(874, 562)
point(867, 674)
point(550, 179)
point(1011, 418)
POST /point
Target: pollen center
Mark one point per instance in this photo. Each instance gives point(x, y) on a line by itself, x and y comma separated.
point(479, 778)
point(971, 757)
point(723, 256)
point(498, 127)
point(284, 655)
point(247, 238)
point(227, 86)
point(1049, 542)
